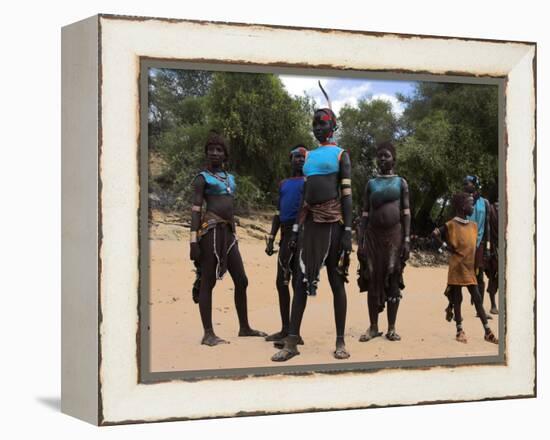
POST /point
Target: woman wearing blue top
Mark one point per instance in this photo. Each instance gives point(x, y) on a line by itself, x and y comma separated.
point(214, 247)
point(290, 197)
point(384, 241)
point(323, 233)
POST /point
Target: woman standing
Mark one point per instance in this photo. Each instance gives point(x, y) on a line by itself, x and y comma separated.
point(324, 226)
point(214, 247)
point(384, 241)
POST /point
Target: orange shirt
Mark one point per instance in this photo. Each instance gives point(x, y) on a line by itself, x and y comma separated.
point(462, 237)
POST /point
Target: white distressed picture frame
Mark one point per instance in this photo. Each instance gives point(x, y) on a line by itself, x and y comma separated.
point(100, 214)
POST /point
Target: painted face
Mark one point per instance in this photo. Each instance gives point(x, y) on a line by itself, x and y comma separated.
point(384, 160)
point(323, 127)
point(298, 160)
point(469, 206)
point(215, 155)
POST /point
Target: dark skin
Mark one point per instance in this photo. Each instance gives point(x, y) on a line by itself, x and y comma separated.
point(222, 205)
point(464, 212)
point(470, 188)
point(385, 216)
point(297, 164)
point(319, 189)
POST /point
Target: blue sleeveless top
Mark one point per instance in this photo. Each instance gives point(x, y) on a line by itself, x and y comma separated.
point(383, 190)
point(290, 195)
point(324, 160)
point(225, 185)
point(479, 215)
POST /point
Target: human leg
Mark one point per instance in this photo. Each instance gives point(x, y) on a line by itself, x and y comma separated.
point(455, 297)
point(284, 306)
point(236, 270)
point(476, 299)
point(207, 283)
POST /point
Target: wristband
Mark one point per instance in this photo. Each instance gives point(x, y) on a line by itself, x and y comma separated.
point(193, 236)
point(295, 227)
point(347, 228)
point(365, 214)
point(406, 211)
point(196, 208)
point(407, 239)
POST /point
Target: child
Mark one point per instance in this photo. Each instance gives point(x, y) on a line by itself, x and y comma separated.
point(460, 234)
point(290, 196)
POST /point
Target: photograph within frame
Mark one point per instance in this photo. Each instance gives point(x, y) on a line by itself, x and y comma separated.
point(148, 376)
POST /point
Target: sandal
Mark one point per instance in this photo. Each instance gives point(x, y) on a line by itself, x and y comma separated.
point(341, 353)
point(392, 336)
point(369, 335)
point(284, 355)
point(490, 337)
point(461, 337)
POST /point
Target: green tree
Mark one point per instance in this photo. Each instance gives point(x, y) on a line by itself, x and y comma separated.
point(450, 130)
point(261, 121)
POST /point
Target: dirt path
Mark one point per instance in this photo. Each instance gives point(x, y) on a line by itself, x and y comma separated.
point(176, 328)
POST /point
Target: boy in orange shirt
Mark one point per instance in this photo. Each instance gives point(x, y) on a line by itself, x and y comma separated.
point(460, 234)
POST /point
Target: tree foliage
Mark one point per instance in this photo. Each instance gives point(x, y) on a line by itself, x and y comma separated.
point(445, 132)
point(361, 128)
point(450, 131)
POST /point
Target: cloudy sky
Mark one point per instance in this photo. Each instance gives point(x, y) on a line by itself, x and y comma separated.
point(347, 90)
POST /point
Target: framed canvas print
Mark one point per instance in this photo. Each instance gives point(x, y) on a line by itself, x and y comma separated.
point(262, 219)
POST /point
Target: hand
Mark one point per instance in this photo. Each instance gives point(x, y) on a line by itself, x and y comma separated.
point(345, 244)
point(293, 242)
point(405, 254)
point(486, 254)
point(195, 253)
point(269, 247)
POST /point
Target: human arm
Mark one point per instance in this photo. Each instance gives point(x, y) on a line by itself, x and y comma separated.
point(361, 251)
point(405, 220)
point(346, 200)
point(486, 240)
point(275, 223)
point(199, 185)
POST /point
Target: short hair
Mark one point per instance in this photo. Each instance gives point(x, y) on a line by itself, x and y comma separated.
point(387, 145)
point(459, 199)
point(215, 138)
point(474, 179)
point(300, 148)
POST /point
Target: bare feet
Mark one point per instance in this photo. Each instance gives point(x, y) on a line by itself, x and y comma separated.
point(251, 332)
point(494, 310)
point(461, 337)
point(277, 336)
point(211, 340)
point(392, 335)
point(341, 352)
point(490, 337)
point(370, 334)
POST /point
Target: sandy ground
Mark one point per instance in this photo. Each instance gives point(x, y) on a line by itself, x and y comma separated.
point(176, 329)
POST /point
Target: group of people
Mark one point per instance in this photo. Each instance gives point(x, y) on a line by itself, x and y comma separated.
point(314, 218)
